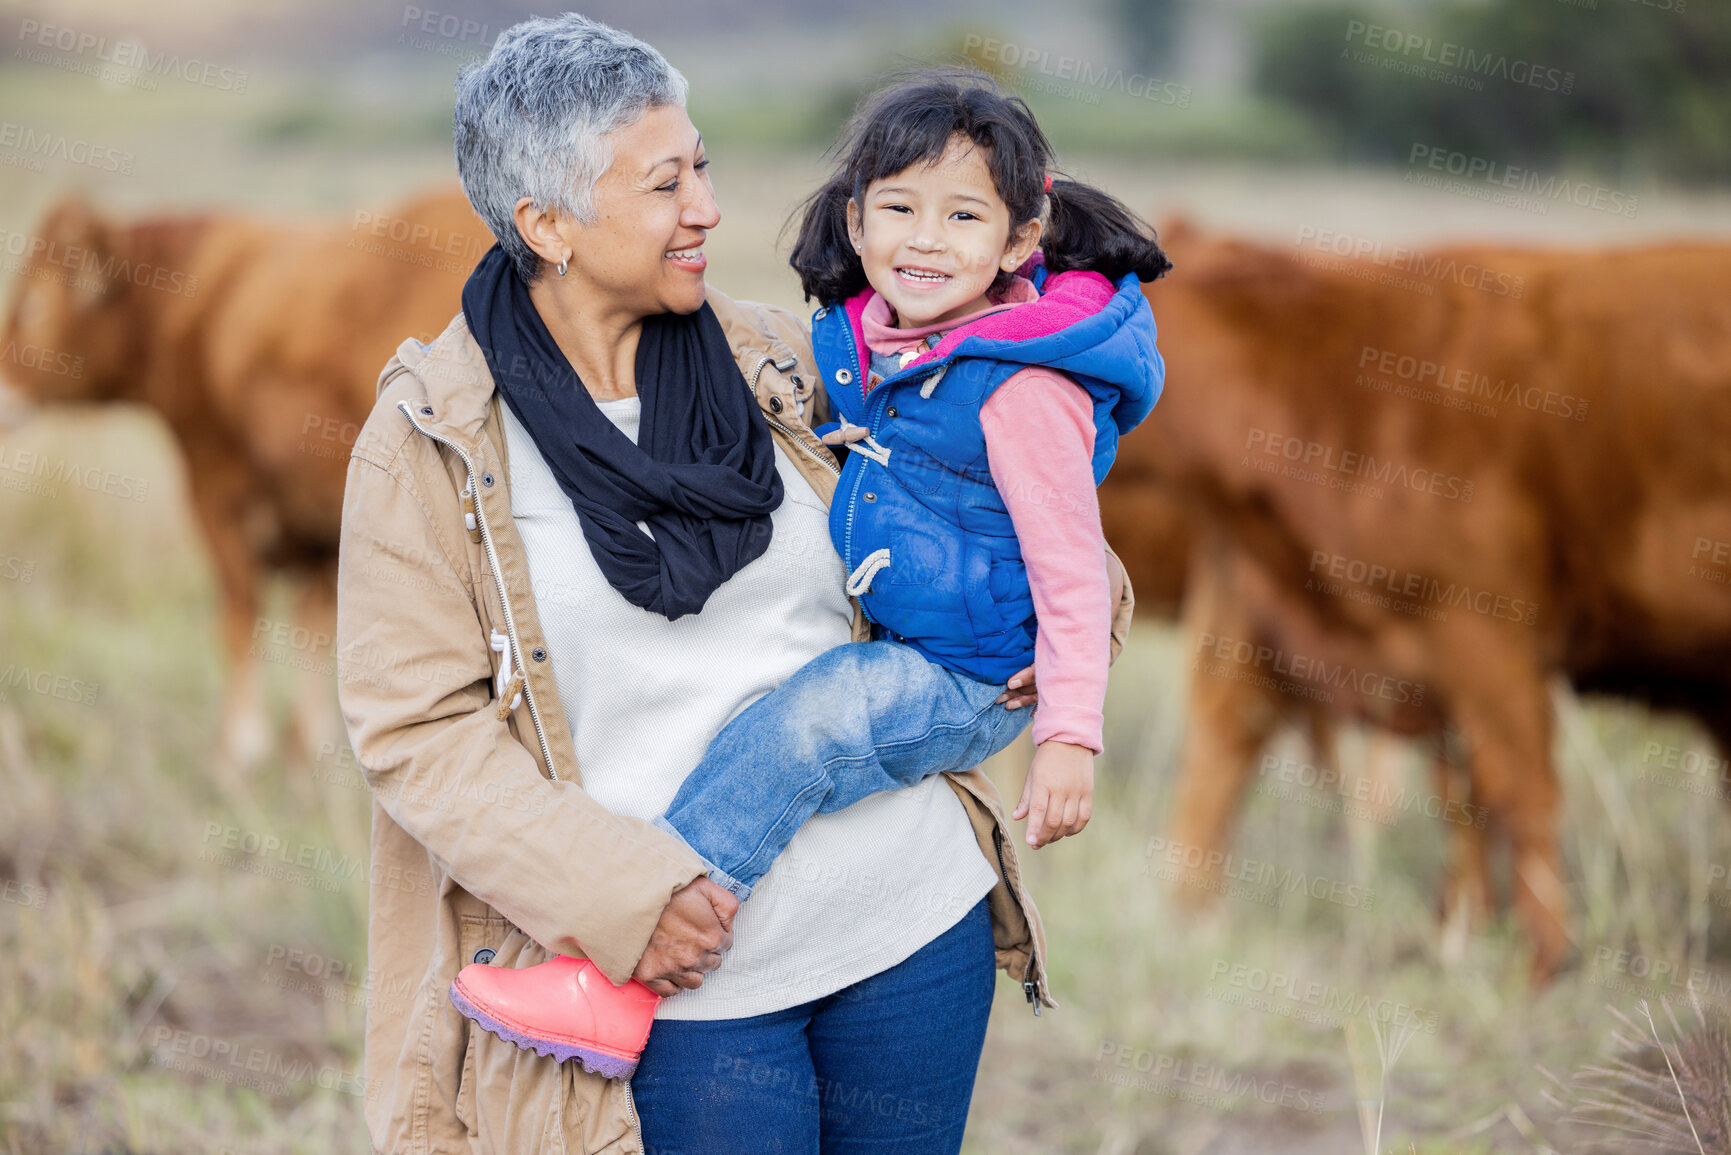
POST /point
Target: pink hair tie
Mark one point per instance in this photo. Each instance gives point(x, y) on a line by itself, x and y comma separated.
point(1048, 183)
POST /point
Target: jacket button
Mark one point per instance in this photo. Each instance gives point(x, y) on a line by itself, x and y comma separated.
point(844, 376)
point(539, 654)
point(487, 479)
point(820, 314)
point(798, 382)
point(484, 955)
point(891, 412)
point(870, 496)
point(426, 411)
point(775, 405)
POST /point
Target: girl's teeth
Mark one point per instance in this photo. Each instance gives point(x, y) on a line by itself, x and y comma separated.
point(924, 276)
point(685, 254)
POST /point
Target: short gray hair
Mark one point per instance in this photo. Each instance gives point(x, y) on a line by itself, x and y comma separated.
point(532, 119)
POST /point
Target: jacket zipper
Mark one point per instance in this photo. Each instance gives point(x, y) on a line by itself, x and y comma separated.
point(859, 474)
point(498, 580)
point(871, 421)
point(631, 1110)
point(853, 492)
point(788, 363)
point(1029, 987)
point(810, 452)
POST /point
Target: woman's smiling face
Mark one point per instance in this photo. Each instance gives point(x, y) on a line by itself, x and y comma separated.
point(934, 236)
point(654, 206)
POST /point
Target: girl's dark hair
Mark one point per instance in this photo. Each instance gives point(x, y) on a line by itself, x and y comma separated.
point(911, 121)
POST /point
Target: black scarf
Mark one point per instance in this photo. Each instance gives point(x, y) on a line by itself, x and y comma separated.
point(702, 474)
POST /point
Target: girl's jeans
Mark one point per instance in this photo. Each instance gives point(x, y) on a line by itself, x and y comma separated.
point(855, 721)
point(883, 1067)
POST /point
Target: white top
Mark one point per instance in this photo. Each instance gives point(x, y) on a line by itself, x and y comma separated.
point(855, 892)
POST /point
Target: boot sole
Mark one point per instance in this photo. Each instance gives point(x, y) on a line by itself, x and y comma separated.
point(594, 1061)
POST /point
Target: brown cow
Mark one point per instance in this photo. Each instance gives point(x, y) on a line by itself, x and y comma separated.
point(1417, 504)
point(260, 345)
point(1145, 523)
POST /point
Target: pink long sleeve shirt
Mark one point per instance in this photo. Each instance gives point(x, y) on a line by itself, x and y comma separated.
point(1039, 428)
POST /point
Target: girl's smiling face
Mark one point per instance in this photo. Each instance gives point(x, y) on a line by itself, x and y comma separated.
point(934, 236)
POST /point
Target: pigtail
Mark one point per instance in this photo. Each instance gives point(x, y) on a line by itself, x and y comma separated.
point(1090, 229)
point(829, 270)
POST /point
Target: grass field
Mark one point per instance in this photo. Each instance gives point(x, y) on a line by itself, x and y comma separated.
point(159, 993)
point(182, 957)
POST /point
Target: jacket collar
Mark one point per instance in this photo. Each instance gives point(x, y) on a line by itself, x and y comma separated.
point(458, 387)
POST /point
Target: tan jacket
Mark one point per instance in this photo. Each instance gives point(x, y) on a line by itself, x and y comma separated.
point(483, 837)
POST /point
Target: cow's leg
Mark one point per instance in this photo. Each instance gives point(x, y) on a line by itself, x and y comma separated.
point(316, 723)
point(1324, 737)
point(1465, 902)
point(244, 729)
point(316, 732)
point(218, 493)
point(1506, 715)
point(1718, 723)
point(1227, 725)
point(1227, 721)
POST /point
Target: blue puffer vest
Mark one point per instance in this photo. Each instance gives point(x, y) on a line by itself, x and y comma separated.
point(916, 516)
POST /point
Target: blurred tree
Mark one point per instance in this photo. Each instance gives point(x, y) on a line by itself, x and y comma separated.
point(1651, 85)
point(1151, 29)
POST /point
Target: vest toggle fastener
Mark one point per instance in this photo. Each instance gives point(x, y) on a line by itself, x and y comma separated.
point(860, 580)
point(859, 439)
point(468, 499)
point(508, 682)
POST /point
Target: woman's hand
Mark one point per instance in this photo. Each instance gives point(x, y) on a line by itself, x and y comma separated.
point(1022, 691)
point(696, 928)
point(1058, 797)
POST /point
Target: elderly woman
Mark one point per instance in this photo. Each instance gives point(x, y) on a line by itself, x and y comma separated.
point(582, 530)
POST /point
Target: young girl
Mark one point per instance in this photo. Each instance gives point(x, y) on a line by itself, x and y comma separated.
point(985, 343)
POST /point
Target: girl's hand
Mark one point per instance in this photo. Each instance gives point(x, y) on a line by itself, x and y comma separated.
point(1022, 691)
point(1058, 797)
point(845, 434)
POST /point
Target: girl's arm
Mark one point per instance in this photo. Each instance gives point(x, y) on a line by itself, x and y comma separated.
point(1039, 428)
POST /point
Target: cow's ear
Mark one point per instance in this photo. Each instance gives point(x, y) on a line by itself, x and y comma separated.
point(87, 240)
point(1178, 229)
point(74, 222)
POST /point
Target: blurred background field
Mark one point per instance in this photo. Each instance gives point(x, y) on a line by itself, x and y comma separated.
point(162, 991)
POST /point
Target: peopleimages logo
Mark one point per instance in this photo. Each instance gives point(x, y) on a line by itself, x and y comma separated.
point(1528, 190)
point(1392, 580)
point(1470, 383)
point(1087, 74)
point(1456, 62)
point(1308, 668)
point(1399, 258)
point(128, 55)
point(27, 147)
point(1312, 457)
point(46, 258)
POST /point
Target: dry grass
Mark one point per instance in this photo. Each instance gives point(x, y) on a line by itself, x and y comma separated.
point(120, 928)
point(1136, 976)
point(139, 935)
point(1652, 1095)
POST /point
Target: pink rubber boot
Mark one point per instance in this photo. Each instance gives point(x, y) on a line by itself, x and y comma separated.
point(564, 1007)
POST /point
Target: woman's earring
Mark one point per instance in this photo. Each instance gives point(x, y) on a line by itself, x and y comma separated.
point(562, 266)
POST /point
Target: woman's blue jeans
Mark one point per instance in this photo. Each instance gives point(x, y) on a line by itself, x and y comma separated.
point(854, 721)
point(884, 1066)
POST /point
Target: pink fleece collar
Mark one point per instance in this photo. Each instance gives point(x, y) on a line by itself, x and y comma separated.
point(884, 337)
point(1068, 298)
